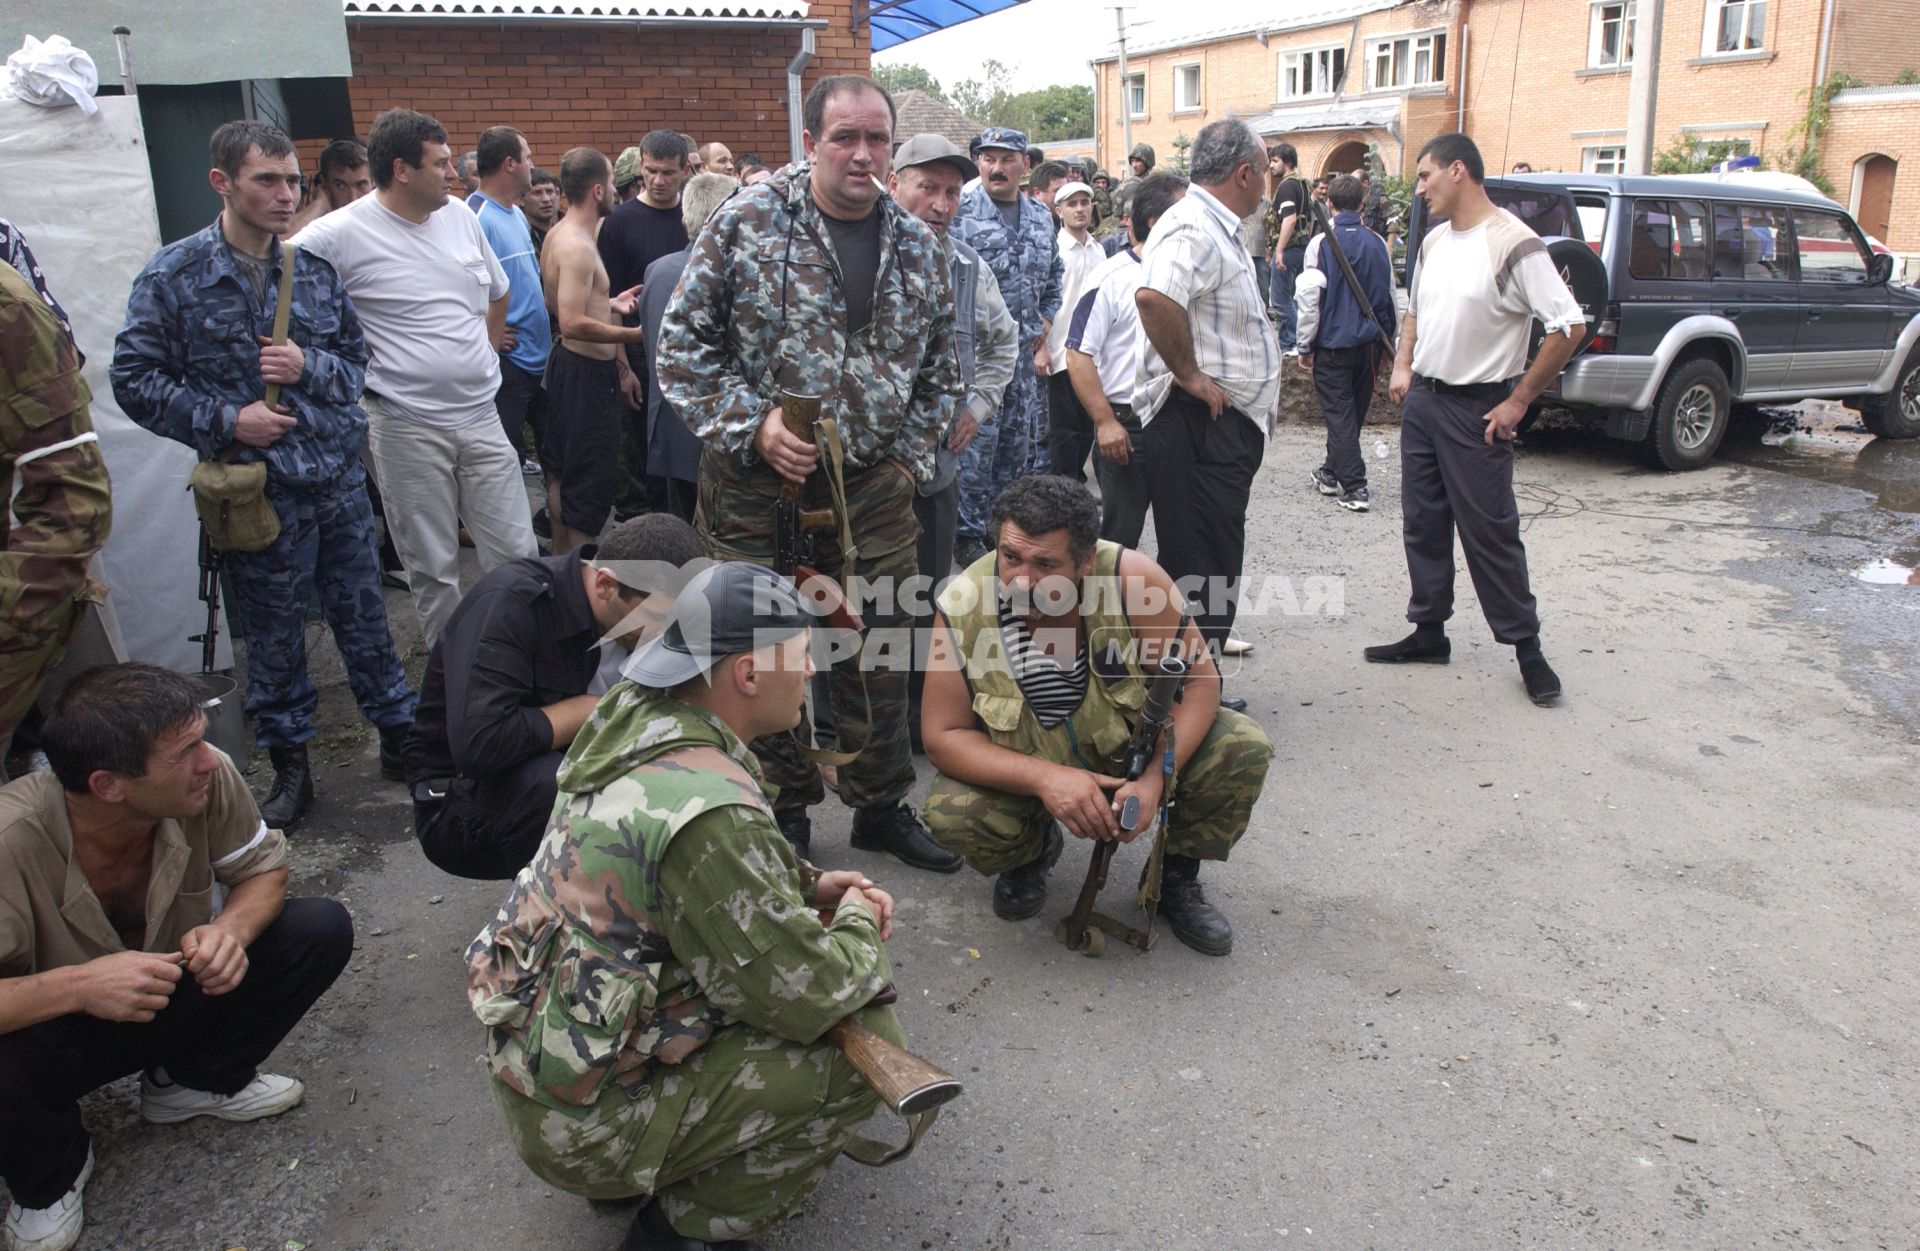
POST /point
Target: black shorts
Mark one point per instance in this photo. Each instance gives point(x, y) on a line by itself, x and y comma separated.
point(581, 447)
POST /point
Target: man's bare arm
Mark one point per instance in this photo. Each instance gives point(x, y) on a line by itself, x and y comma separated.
point(1166, 325)
point(497, 323)
point(578, 269)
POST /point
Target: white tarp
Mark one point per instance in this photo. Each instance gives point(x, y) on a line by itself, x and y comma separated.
point(79, 189)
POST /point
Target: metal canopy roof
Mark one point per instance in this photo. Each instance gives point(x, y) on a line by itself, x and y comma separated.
point(897, 21)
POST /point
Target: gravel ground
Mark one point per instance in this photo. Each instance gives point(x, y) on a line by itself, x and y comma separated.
point(1615, 974)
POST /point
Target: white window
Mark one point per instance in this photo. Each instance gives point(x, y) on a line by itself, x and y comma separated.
point(1609, 160)
point(1312, 72)
point(1610, 40)
point(1137, 95)
point(1407, 61)
point(1734, 26)
point(1186, 88)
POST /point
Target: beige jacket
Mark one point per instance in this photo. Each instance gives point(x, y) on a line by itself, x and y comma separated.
point(49, 916)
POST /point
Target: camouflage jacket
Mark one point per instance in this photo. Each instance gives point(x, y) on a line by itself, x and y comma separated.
point(761, 308)
point(611, 955)
point(64, 506)
point(188, 359)
point(15, 252)
point(1026, 262)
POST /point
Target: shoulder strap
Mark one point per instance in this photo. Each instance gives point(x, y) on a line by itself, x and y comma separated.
point(282, 310)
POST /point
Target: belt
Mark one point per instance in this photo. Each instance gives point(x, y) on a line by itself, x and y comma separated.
point(1495, 391)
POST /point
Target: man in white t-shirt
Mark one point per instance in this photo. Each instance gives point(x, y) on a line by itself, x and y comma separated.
point(1482, 279)
point(1069, 429)
point(1102, 354)
point(432, 301)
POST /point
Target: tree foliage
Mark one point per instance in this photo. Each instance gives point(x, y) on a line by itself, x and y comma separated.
point(899, 78)
point(1045, 113)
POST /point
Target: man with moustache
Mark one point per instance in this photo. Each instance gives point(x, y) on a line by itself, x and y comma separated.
point(816, 283)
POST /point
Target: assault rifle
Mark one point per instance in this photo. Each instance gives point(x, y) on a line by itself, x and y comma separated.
point(795, 525)
point(1081, 929)
point(915, 1089)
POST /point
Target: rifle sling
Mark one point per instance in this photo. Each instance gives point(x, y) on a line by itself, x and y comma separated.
point(834, 455)
point(876, 1154)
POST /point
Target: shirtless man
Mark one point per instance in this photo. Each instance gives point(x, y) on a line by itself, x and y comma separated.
point(587, 373)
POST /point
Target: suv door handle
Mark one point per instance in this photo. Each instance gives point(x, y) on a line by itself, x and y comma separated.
point(1730, 312)
point(1813, 314)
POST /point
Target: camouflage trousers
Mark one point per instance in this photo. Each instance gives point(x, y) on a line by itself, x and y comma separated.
point(1012, 444)
point(735, 521)
point(1213, 802)
point(326, 544)
point(733, 1141)
point(30, 648)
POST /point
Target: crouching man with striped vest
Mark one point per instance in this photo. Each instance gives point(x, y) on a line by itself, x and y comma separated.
point(1042, 653)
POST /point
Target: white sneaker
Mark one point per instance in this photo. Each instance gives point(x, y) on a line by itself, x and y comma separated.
point(50, 1229)
point(1236, 647)
point(268, 1094)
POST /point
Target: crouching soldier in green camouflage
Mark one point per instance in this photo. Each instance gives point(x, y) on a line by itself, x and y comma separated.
point(1041, 657)
point(658, 981)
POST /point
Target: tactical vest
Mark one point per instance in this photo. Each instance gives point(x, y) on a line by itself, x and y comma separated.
point(596, 1012)
point(1116, 683)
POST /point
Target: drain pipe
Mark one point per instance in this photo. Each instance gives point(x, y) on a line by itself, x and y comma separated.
point(795, 94)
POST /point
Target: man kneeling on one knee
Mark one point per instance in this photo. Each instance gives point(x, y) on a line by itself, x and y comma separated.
point(658, 981)
point(144, 927)
point(1041, 656)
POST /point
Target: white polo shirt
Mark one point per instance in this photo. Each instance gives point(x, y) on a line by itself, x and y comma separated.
point(422, 291)
point(1106, 324)
point(1079, 260)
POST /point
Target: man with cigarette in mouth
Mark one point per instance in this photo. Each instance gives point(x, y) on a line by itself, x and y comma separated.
point(815, 283)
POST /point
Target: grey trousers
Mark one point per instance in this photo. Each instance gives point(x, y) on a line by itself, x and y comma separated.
point(939, 516)
point(1451, 480)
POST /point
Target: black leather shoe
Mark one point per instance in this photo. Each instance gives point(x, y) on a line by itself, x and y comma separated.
point(896, 831)
point(292, 792)
point(1543, 684)
point(797, 828)
point(1412, 650)
point(1192, 919)
point(393, 752)
point(1021, 891)
point(651, 1231)
point(1233, 703)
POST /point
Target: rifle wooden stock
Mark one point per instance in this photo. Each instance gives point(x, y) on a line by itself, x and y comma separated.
point(905, 1082)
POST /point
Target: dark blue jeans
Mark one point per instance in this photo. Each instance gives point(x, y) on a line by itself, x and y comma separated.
point(1283, 280)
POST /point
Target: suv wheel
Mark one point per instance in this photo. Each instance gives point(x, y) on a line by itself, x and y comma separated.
point(1896, 415)
point(1690, 415)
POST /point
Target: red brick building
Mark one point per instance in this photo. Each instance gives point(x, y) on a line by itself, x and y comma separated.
point(598, 73)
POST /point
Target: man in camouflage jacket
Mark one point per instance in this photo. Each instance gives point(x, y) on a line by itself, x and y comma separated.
point(192, 364)
point(63, 507)
point(814, 282)
point(1024, 256)
point(658, 981)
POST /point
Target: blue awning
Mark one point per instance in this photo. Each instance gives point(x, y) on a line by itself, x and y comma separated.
point(897, 21)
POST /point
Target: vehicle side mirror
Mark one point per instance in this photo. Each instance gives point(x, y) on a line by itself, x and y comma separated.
point(1881, 271)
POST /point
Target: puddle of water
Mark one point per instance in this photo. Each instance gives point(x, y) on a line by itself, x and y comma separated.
point(1888, 573)
point(1828, 445)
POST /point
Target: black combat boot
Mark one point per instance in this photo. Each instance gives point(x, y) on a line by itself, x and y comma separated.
point(393, 752)
point(652, 1231)
point(1192, 919)
point(1022, 891)
point(292, 792)
point(796, 828)
point(894, 829)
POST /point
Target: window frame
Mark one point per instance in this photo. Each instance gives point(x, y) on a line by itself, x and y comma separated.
point(1739, 209)
point(1849, 228)
point(1198, 103)
point(1309, 58)
point(1590, 161)
point(1436, 41)
point(1596, 25)
point(1127, 84)
point(1714, 17)
point(1701, 212)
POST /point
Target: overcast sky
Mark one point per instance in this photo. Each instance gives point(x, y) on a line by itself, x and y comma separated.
point(1050, 41)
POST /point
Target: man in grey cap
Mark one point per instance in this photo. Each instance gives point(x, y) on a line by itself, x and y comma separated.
point(697, 962)
point(928, 172)
point(1015, 237)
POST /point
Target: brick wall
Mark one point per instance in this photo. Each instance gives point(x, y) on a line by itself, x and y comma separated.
point(1873, 39)
point(1888, 124)
point(575, 84)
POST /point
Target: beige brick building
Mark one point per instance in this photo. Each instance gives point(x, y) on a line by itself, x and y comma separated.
point(1543, 81)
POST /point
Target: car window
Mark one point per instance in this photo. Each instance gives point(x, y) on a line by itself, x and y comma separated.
point(1591, 211)
point(1668, 240)
point(1545, 212)
point(1751, 242)
point(1829, 251)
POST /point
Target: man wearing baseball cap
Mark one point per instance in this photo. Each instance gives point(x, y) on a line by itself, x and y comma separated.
point(1069, 428)
point(1014, 235)
point(658, 981)
point(928, 173)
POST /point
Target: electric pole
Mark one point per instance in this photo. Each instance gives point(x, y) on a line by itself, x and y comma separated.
point(1126, 90)
point(1643, 88)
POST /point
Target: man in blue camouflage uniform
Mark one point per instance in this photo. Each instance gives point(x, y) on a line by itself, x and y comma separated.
point(192, 363)
point(1018, 240)
point(815, 283)
point(658, 983)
